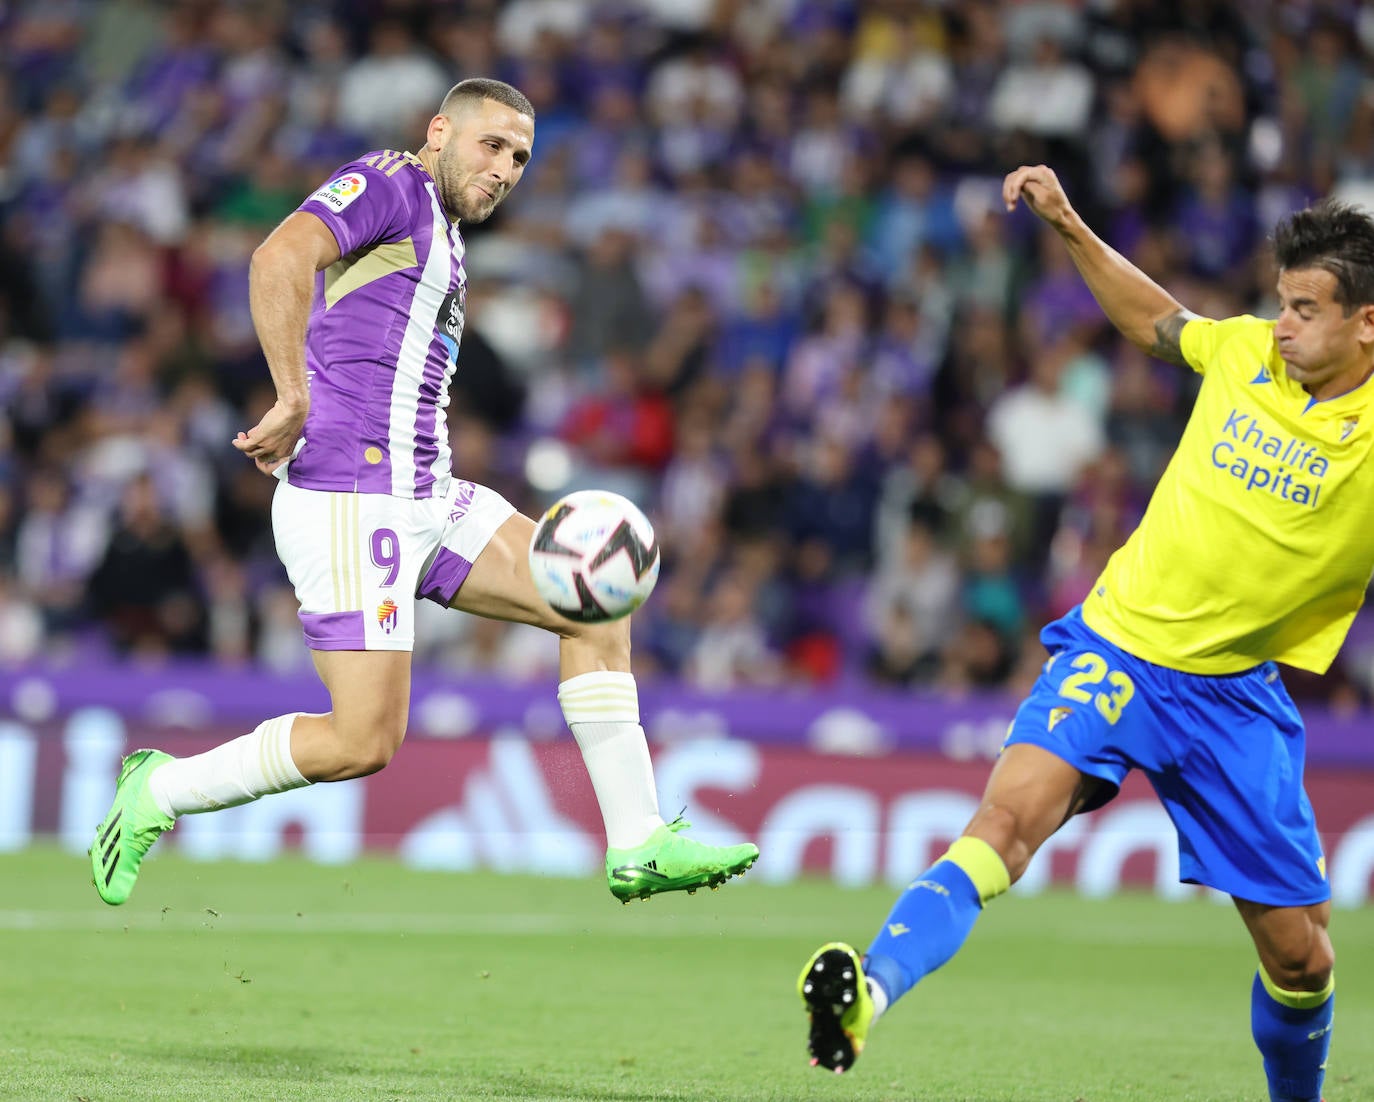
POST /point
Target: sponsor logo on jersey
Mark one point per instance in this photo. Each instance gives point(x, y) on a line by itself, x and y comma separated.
point(1285, 467)
point(341, 191)
point(1057, 716)
point(1349, 425)
point(1262, 377)
point(387, 615)
point(449, 323)
point(461, 502)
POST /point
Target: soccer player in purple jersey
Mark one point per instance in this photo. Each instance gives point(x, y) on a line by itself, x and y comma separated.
point(358, 300)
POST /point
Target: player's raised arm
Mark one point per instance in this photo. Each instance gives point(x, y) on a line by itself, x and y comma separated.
point(1146, 314)
point(281, 287)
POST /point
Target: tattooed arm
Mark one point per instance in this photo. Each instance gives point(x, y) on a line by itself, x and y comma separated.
point(1169, 336)
point(1146, 314)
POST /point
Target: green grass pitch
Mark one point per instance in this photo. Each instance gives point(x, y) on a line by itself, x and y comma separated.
point(293, 981)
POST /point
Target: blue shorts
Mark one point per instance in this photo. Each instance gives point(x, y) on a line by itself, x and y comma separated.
point(1224, 754)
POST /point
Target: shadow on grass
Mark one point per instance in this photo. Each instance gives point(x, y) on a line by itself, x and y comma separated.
point(324, 1070)
point(230, 1060)
point(543, 1088)
point(329, 1068)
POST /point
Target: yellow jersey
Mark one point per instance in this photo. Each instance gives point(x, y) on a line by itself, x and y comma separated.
point(1258, 542)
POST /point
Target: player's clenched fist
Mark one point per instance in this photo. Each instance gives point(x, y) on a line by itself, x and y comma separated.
point(1042, 191)
point(271, 441)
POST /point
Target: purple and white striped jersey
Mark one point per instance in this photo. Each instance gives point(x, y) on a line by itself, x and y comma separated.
point(382, 343)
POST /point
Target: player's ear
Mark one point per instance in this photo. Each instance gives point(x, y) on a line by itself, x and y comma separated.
point(436, 137)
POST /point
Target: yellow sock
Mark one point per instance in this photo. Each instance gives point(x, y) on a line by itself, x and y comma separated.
point(981, 864)
point(1298, 1000)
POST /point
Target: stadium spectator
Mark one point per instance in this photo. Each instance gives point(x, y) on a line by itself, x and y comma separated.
point(1045, 438)
point(691, 494)
point(900, 72)
point(382, 92)
point(622, 428)
point(911, 605)
point(58, 543)
point(21, 624)
point(1047, 94)
point(144, 588)
point(607, 306)
point(732, 647)
point(1215, 218)
point(915, 210)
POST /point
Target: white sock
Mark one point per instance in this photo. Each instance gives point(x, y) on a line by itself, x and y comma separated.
point(602, 710)
point(878, 995)
point(233, 773)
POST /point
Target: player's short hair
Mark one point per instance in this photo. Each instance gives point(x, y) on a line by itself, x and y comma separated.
point(470, 92)
point(1337, 238)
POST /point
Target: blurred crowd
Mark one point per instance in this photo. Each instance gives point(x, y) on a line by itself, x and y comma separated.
point(758, 277)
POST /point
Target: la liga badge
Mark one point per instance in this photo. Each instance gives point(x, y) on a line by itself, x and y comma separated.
point(341, 191)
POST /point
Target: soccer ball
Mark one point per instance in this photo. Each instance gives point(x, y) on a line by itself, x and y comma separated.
point(594, 556)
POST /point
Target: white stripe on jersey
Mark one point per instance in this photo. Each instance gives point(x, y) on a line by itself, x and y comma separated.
point(414, 353)
point(442, 470)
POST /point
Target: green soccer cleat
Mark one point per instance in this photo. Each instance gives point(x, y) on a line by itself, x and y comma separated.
point(129, 830)
point(671, 862)
point(833, 988)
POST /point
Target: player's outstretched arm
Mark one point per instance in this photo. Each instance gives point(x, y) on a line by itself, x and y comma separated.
point(281, 287)
point(1146, 314)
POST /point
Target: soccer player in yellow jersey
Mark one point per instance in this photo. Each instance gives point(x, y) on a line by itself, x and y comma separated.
point(1256, 548)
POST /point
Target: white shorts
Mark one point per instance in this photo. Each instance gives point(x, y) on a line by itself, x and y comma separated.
point(359, 561)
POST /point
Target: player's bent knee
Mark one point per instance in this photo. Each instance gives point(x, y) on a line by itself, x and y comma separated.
point(1302, 963)
point(1316, 971)
point(367, 749)
point(610, 641)
point(372, 759)
point(1301, 977)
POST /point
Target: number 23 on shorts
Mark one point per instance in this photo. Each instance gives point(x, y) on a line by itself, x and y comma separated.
point(1095, 682)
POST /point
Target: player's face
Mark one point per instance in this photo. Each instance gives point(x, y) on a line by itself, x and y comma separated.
point(484, 153)
point(1324, 348)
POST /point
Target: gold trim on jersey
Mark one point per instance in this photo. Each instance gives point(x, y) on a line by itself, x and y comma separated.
point(390, 161)
point(348, 273)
